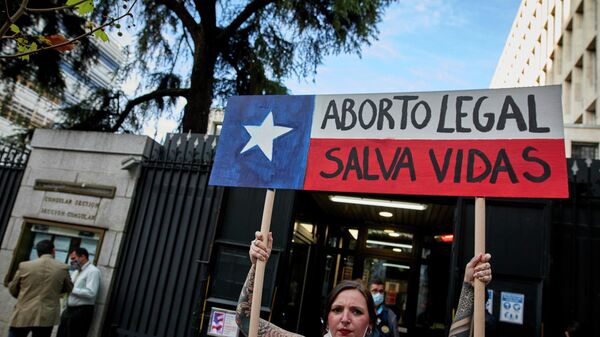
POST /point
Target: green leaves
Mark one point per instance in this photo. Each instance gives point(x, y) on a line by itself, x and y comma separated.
point(101, 35)
point(15, 29)
point(23, 47)
point(82, 8)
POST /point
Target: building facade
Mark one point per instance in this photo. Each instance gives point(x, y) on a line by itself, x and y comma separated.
point(26, 108)
point(76, 191)
point(554, 42)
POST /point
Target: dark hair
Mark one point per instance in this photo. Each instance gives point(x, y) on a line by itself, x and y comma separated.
point(82, 252)
point(44, 247)
point(375, 281)
point(349, 285)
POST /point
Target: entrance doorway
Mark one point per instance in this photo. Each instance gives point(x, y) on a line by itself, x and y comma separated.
point(334, 241)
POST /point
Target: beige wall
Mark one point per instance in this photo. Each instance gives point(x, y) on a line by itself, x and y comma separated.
point(555, 42)
point(82, 158)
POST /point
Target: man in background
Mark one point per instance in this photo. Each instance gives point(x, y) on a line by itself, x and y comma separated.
point(387, 322)
point(37, 286)
point(77, 317)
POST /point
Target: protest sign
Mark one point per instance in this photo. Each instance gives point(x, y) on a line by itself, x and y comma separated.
point(497, 142)
point(481, 143)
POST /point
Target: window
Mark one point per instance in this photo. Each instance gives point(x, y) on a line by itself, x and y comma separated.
point(64, 236)
point(584, 151)
point(65, 239)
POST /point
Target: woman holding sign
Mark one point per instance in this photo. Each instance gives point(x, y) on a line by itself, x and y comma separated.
point(349, 308)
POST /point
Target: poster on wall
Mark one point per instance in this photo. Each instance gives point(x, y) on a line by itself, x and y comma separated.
point(493, 142)
point(222, 323)
point(489, 303)
point(511, 307)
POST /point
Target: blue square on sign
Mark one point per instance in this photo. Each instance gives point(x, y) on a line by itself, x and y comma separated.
point(264, 142)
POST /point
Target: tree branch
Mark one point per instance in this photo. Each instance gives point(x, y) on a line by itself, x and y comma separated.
point(182, 13)
point(244, 15)
point(43, 10)
point(173, 92)
point(11, 19)
point(55, 46)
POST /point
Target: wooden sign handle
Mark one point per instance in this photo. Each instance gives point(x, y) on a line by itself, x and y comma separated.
point(259, 274)
point(479, 308)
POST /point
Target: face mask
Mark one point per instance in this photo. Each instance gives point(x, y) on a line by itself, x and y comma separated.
point(74, 265)
point(378, 299)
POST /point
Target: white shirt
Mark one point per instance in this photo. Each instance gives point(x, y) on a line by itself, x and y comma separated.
point(86, 284)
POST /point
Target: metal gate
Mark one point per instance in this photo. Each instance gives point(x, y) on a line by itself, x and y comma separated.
point(162, 268)
point(547, 250)
point(572, 293)
point(12, 165)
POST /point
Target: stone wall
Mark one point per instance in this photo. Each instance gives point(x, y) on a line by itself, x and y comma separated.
point(79, 159)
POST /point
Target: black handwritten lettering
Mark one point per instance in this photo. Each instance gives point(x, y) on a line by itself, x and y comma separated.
point(387, 172)
point(361, 113)
point(471, 166)
point(404, 117)
point(503, 165)
point(441, 124)
point(516, 114)
point(348, 111)
point(384, 107)
point(490, 116)
point(366, 165)
point(458, 166)
point(461, 114)
point(352, 165)
point(413, 115)
point(405, 161)
point(331, 113)
point(545, 174)
point(533, 117)
point(340, 164)
point(440, 173)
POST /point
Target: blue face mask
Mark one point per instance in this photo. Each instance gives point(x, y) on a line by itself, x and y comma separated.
point(378, 299)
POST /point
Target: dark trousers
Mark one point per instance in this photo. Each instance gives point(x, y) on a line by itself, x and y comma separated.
point(37, 331)
point(76, 321)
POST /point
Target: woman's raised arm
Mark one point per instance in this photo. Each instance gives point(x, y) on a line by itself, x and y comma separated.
point(479, 267)
point(258, 251)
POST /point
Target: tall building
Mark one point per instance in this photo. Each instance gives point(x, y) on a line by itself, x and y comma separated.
point(555, 42)
point(27, 108)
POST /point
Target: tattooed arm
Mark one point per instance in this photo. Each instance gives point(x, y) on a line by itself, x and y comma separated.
point(461, 326)
point(480, 268)
point(258, 250)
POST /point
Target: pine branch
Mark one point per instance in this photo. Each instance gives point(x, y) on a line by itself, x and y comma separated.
point(173, 92)
point(244, 15)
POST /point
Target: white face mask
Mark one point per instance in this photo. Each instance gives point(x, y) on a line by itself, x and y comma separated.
point(377, 299)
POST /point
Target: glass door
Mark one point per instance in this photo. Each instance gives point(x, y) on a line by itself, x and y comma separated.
point(389, 259)
point(395, 275)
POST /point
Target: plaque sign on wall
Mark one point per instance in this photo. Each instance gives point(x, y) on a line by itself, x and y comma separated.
point(70, 208)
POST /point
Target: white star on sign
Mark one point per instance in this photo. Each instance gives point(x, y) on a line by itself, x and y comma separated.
point(264, 134)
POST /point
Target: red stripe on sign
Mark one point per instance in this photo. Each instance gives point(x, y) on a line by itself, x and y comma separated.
point(529, 168)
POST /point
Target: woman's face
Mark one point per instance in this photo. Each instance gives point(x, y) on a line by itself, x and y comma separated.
point(348, 316)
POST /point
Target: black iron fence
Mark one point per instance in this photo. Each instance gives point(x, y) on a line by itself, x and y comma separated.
point(572, 293)
point(162, 269)
point(12, 165)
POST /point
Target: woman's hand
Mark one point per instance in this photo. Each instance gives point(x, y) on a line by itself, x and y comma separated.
point(258, 249)
point(479, 268)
